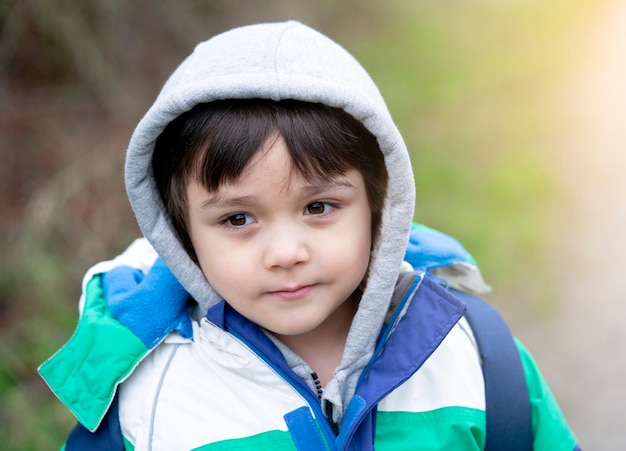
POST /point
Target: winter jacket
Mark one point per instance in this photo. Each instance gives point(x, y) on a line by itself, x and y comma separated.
point(228, 385)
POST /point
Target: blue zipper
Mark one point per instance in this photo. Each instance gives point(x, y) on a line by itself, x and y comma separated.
point(311, 399)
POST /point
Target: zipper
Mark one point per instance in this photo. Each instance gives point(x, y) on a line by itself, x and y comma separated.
point(329, 415)
point(307, 394)
point(328, 406)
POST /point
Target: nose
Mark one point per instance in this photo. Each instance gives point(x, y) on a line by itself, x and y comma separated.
point(286, 247)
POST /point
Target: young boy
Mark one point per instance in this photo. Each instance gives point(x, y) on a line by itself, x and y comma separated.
point(270, 179)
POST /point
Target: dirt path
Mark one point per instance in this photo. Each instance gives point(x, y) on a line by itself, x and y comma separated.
point(581, 347)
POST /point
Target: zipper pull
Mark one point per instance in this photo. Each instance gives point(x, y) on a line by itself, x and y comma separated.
point(318, 384)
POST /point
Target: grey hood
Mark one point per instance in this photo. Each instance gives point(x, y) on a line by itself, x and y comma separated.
point(280, 61)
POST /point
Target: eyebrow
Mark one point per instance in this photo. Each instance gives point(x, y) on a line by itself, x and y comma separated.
point(326, 185)
point(220, 201)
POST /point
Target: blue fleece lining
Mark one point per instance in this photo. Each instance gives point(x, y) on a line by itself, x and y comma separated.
point(150, 305)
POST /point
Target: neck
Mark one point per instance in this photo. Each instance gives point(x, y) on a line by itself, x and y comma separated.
point(322, 348)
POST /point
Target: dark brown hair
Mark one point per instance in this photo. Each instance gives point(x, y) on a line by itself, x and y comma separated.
point(213, 142)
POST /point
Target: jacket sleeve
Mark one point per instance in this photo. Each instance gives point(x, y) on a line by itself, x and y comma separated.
point(550, 429)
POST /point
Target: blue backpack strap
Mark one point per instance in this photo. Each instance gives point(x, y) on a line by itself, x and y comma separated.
point(509, 425)
point(108, 436)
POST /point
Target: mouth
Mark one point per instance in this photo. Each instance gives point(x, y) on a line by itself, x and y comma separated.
point(290, 294)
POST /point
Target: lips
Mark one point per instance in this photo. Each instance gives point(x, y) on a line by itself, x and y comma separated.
point(290, 294)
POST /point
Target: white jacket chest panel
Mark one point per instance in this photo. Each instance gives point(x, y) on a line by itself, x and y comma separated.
point(185, 395)
point(452, 376)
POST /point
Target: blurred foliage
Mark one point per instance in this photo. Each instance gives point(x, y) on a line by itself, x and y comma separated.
point(483, 78)
point(469, 84)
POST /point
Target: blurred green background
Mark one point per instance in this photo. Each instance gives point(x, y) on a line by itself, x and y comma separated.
point(470, 84)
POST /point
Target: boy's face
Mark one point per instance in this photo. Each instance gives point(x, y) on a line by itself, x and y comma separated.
point(284, 252)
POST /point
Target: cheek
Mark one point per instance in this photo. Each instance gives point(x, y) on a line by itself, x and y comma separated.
point(364, 249)
point(223, 269)
point(219, 263)
point(351, 251)
point(228, 280)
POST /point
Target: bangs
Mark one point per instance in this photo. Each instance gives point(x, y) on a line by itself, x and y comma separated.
point(237, 130)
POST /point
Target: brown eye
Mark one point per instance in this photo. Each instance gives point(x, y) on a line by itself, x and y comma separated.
point(237, 220)
point(316, 208)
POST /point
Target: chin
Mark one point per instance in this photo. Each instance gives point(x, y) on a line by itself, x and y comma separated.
point(292, 330)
